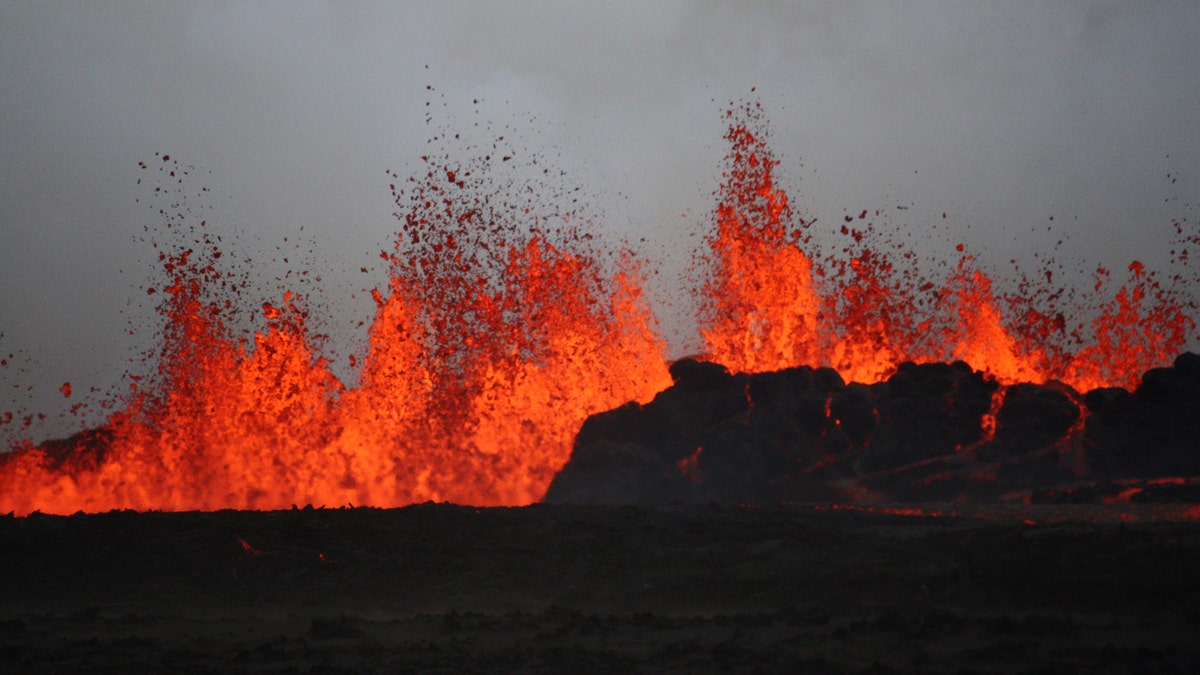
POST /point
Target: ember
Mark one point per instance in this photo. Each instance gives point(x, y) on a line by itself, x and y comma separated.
point(503, 327)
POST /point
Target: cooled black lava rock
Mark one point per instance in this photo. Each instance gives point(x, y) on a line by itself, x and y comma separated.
point(794, 434)
point(1035, 416)
point(802, 434)
point(1153, 431)
point(712, 436)
point(926, 411)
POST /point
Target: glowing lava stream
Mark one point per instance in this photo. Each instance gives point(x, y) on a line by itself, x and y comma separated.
point(496, 338)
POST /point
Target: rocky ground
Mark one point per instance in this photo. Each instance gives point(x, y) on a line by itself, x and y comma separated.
point(562, 588)
point(931, 432)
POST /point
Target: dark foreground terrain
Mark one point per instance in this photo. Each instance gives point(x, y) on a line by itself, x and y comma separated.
point(436, 588)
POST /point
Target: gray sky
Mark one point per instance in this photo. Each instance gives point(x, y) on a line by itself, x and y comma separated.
point(1000, 114)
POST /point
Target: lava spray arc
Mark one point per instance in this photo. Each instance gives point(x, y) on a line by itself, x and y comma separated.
point(504, 325)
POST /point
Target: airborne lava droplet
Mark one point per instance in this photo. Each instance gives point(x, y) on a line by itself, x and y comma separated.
point(249, 549)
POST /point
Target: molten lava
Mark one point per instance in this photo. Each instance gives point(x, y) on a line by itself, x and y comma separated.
point(477, 375)
point(502, 329)
point(768, 305)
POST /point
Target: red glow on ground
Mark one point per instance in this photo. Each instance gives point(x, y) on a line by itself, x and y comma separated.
point(1029, 515)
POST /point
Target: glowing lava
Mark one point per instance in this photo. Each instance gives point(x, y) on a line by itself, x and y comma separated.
point(767, 304)
point(502, 329)
point(477, 376)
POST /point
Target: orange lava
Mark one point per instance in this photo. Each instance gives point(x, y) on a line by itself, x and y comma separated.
point(475, 402)
point(767, 304)
point(500, 332)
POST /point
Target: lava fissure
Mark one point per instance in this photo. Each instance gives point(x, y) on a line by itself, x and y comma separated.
point(505, 331)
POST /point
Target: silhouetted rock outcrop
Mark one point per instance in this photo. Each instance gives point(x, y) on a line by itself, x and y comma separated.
point(930, 432)
point(1153, 431)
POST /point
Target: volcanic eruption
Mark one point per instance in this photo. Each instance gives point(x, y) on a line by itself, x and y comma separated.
point(500, 330)
point(849, 375)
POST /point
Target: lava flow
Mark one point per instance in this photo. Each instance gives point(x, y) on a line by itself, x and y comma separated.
point(502, 328)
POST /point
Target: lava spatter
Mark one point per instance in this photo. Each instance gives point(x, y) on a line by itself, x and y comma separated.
point(770, 300)
point(504, 325)
point(501, 329)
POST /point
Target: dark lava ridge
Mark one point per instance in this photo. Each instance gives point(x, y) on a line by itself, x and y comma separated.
point(934, 432)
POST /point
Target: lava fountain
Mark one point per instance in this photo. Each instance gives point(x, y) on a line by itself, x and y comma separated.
point(494, 340)
point(503, 327)
point(768, 304)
